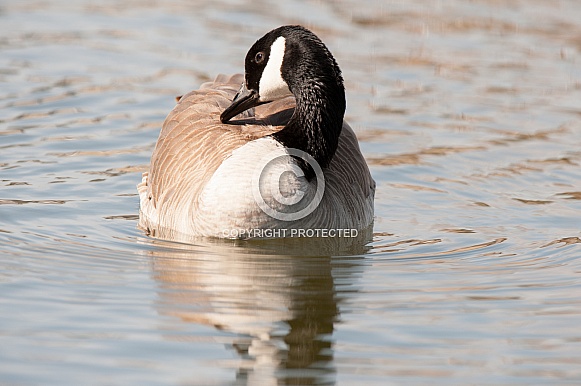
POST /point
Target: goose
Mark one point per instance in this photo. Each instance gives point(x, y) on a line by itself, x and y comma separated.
point(266, 154)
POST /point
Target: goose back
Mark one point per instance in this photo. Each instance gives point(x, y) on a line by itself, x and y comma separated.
point(192, 146)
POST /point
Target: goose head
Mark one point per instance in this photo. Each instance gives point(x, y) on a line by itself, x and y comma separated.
point(291, 60)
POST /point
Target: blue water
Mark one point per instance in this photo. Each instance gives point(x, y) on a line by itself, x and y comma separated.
point(468, 115)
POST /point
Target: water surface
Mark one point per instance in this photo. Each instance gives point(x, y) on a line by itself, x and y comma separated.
point(468, 115)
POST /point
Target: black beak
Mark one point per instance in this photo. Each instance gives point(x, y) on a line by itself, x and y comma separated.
point(243, 100)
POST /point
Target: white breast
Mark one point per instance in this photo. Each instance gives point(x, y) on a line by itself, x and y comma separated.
point(259, 186)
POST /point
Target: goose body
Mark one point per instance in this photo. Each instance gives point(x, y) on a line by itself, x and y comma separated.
point(288, 162)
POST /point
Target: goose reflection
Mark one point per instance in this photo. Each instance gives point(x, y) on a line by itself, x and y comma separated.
point(282, 307)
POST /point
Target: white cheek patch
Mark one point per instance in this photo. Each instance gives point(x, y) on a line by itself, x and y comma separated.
point(272, 86)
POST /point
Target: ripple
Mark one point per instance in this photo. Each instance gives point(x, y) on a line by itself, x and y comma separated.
point(24, 202)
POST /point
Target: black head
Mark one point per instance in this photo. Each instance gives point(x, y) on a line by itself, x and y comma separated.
point(281, 63)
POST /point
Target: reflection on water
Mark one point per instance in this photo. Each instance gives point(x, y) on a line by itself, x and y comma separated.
point(282, 309)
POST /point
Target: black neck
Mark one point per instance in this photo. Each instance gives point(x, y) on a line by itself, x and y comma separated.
point(316, 124)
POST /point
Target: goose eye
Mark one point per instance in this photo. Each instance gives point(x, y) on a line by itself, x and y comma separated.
point(259, 58)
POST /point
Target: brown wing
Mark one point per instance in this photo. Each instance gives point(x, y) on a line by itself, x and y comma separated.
point(193, 142)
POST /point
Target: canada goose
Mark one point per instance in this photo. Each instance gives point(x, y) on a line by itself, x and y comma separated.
point(251, 177)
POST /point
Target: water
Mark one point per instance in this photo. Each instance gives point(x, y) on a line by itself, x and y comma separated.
point(468, 114)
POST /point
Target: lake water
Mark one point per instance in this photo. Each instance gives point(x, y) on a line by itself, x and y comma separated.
point(469, 114)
